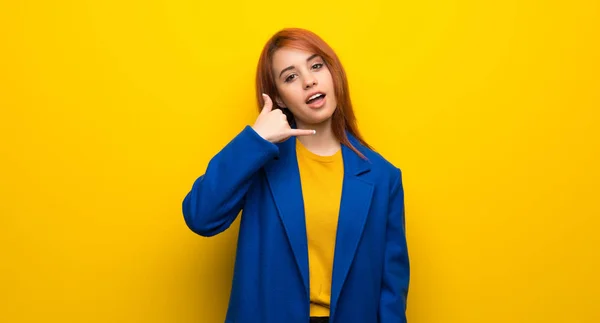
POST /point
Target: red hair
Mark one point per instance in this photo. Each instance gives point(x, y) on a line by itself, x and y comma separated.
point(343, 118)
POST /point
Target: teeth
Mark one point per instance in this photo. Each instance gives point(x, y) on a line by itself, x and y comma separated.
point(314, 96)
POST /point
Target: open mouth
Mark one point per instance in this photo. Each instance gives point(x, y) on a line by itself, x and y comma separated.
point(315, 98)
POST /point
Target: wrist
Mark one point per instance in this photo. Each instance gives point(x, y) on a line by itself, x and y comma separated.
point(259, 132)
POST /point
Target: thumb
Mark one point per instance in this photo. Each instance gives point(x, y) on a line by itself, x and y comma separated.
point(268, 106)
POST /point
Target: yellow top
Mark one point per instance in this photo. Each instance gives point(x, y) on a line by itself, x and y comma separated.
point(321, 178)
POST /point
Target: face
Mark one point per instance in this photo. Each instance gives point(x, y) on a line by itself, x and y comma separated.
point(304, 85)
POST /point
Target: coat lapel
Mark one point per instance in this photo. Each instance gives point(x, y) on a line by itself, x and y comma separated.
point(354, 208)
point(284, 180)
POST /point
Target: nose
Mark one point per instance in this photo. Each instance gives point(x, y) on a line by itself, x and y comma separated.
point(309, 82)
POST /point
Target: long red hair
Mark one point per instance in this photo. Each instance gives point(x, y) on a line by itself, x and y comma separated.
point(343, 118)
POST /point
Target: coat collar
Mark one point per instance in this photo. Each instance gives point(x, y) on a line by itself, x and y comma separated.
point(284, 180)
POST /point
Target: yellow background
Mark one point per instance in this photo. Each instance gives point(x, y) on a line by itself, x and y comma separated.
point(110, 110)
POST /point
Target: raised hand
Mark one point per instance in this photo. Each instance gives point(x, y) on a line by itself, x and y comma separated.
point(273, 126)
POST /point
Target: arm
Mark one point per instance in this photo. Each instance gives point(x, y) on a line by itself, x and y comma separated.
point(394, 292)
point(217, 197)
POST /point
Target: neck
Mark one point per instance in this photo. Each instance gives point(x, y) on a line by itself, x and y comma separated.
point(323, 142)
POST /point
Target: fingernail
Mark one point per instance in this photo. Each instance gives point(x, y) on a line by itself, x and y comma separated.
point(314, 132)
point(264, 94)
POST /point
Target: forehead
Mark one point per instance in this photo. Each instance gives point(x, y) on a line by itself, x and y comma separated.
point(285, 57)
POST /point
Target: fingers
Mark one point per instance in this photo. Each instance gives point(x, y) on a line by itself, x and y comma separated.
point(268, 106)
point(301, 132)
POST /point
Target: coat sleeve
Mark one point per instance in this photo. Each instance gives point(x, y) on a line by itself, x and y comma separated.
point(396, 274)
point(217, 196)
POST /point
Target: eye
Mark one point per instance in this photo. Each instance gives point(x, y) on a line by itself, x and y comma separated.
point(317, 66)
point(290, 78)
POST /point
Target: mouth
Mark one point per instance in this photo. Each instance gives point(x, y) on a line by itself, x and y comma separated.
point(315, 99)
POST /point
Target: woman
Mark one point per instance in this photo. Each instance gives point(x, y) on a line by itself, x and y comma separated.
point(322, 235)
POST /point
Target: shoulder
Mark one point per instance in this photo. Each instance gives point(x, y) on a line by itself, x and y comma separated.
point(381, 169)
point(380, 163)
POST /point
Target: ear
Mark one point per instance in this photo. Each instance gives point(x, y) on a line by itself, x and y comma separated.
point(279, 102)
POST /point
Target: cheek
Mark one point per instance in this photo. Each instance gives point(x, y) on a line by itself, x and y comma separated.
point(292, 95)
point(327, 81)
point(325, 78)
point(284, 95)
point(330, 78)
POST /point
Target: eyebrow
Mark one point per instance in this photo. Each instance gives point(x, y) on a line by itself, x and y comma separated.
point(292, 67)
